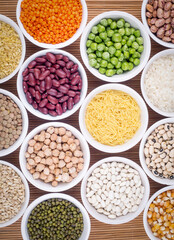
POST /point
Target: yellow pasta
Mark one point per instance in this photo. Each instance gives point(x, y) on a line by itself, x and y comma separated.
point(112, 117)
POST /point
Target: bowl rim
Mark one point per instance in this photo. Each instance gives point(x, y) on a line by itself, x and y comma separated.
point(146, 225)
point(138, 135)
point(29, 107)
point(55, 195)
point(125, 76)
point(46, 186)
point(9, 21)
point(27, 195)
point(141, 154)
point(153, 36)
point(158, 55)
point(143, 203)
point(59, 45)
point(25, 123)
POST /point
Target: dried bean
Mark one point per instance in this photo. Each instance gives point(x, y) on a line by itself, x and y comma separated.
point(52, 113)
point(43, 103)
point(25, 72)
point(52, 99)
point(25, 87)
point(40, 60)
point(64, 106)
point(59, 109)
point(60, 73)
point(76, 99)
point(50, 106)
point(63, 89)
point(32, 64)
point(70, 103)
point(29, 98)
point(51, 57)
point(32, 91)
point(43, 110)
point(63, 99)
point(48, 83)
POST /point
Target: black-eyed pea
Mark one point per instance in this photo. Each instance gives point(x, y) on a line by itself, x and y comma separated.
point(47, 141)
point(37, 159)
point(74, 160)
point(40, 167)
point(62, 155)
point(49, 161)
point(56, 131)
point(32, 170)
point(65, 147)
point(37, 146)
point(54, 183)
point(53, 145)
point(73, 147)
point(78, 153)
point(30, 150)
point(59, 146)
point(62, 131)
point(52, 167)
point(53, 137)
point(46, 171)
point(80, 166)
point(69, 165)
point(67, 159)
point(47, 135)
point(31, 142)
point(48, 152)
point(50, 130)
point(36, 175)
point(74, 175)
point(55, 153)
point(64, 138)
point(43, 161)
point(61, 164)
point(31, 162)
point(70, 141)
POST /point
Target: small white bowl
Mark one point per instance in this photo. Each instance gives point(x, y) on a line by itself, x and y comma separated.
point(146, 224)
point(129, 216)
point(59, 45)
point(61, 186)
point(27, 195)
point(29, 107)
point(154, 58)
point(17, 29)
point(134, 23)
point(153, 36)
point(141, 153)
point(19, 141)
point(86, 219)
point(138, 135)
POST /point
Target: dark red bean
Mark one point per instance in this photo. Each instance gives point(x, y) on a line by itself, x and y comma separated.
point(59, 56)
point(44, 75)
point(32, 80)
point(70, 103)
point(68, 74)
point(63, 99)
point(50, 106)
point(62, 81)
point(75, 80)
point(67, 86)
point(56, 66)
point(63, 89)
point(44, 95)
point(52, 99)
point(55, 83)
point(37, 88)
point(65, 59)
point(67, 80)
point(38, 96)
point(64, 106)
point(73, 75)
point(38, 82)
point(80, 84)
point(32, 91)
point(36, 73)
point(31, 70)
point(51, 57)
point(52, 70)
point(51, 76)
point(61, 63)
point(48, 82)
point(60, 73)
point(59, 95)
point(26, 78)
point(43, 110)
point(42, 85)
point(35, 105)
point(32, 64)
point(29, 98)
point(76, 99)
point(74, 68)
point(48, 64)
point(43, 70)
point(56, 77)
point(52, 92)
point(40, 60)
point(71, 93)
point(43, 103)
point(78, 93)
point(59, 109)
point(69, 64)
point(25, 87)
point(25, 72)
point(52, 113)
point(75, 88)
point(40, 66)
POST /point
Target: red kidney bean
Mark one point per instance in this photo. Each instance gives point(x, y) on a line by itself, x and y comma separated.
point(69, 64)
point(43, 103)
point(38, 96)
point(40, 66)
point(56, 77)
point(44, 75)
point(64, 106)
point(44, 95)
point(65, 59)
point(67, 86)
point(61, 63)
point(71, 93)
point(52, 99)
point(75, 88)
point(52, 113)
point(80, 84)
point(59, 56)
point(75, 80)
point(25, 87)
point(25, 72)
point(63, 99)
point(62, 81)
point(68, 74)
point(70, 103)
point(32, 91)
point(48, 64)
point(40, 60)
point(48, 82)
point(37, 88)
point(50, 106)
point(59, 95)
point(35, 105)
point(73, 75)
point(26, 78)
point(32, 64)
point(63, 89)
point(74, 68)
point(56, 66)
point(51, 76)
point(55, 83)
point(29, 97)
point(67, 80)
point(52, 92)
point(52, 70)
point(32, 80)
point(38, 82)
point(43, 110)
point(51, 57)
point(60, 73)
point(36, 73)
point(43, 70)
point(59, 109)
point(77, 93)
point(76, 99)
point(31, 70)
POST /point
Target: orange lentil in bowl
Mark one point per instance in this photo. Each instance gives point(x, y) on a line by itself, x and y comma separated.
point(51, 21)
point(160, 215)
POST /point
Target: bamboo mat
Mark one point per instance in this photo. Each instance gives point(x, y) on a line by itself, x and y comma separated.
point(133, 230)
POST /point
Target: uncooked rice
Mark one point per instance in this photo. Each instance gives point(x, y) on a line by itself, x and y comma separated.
point(159, 83)
point(12, 193)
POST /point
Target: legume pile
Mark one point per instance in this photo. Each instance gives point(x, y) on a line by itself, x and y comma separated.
point(10, 49)
point(52, 84)
point(55, 219)
point(10, 122)
point(159, 151)
point(161, 215)
point(54, 155)
point(53, 21)
point(12, 193)
point(114, 189)
point(113, 47)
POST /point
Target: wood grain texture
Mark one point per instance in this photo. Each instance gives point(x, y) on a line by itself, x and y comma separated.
point(133, 230)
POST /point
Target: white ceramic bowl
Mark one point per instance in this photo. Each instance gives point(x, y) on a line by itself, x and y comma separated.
point(59, 45)
point(30, 107)
point(138, 135)
point(154, 58)
point(153, 36)
point(27, 195)
point(17, 29)
point(86, 219)
point(61, 186)
point(146, 224)
point(141, 153)
point(129, 216)
point(19, 141)
point(134, 23)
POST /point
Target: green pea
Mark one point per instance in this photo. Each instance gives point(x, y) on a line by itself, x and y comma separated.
point(116, 37)
point(112, 50)
point(110, 66)
point(136, 61)
point(129, 43)
point(91, 36)
point(121, 31)
point(97, 66)
point(136, 55)
point(109, 20)
point(125, 66)
point(91, 55)
point(140, 49)
point(132, 50)
point(107, 40)
point(101, 28)
point(121, 57)
point(88, 43)
point(99, 59)
point(93, 46)
point(117, 45)
point(89, 50)
point(113, 25)
point(103, 35)
point(104, 22)
point(131, 59)
point(106, 49)
point(119, 71)
point(103, 63)
point(110, 33)
point(102, 70)
point(101, 47)
point(118, 53)
point(137, 33)
point(132, 30)
point(106, 56)
point(110, 72)
point(114, 60)
point(123, 41)
point(120, 23)
point(127, 25)
point(109, 43)
point(98, 53)
point(132, 38)
point(125, 47)
point(140, 40)
point(94, 29)
point(135, 45)
point(125, 37)
point(127, 31)
point(131, 66)
point(126, 55)
point(98, 39)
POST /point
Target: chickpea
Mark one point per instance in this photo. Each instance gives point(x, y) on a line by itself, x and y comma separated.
point(44, 147)
point(28, 166)
point(47, 152)
point(33, 155)
point(50, 177)
point(65, 170)
point(50, 130)
point(61, 164)
point(54, 183)
point(67, 159)
point(31, 142)
point(56, 131)
point(56, 172)
point(62, 131)
point(41, 138)
point(55, 159)
point(36, 175)
point(72, 170)
point(31, 162)
point(80, 166)
point(53, 137)
point(68, 153)
point(46, 171)
point(47, 135)
point(69, 165)
point(53, 145)
point(55, 152)
point(43, 176)
point(52, 167)
point(59, 139)
point(65, 138)
point(74, 175)
point(65, 147)
point(41, 154)
point(40, 167)
point(36, 137)
point(59, 146)
point(30, 150)
point(78, 153)
point(74, 160)
point(43, 161)
point(65, 177)
point(70, 179)
point(37, 146)
point(70, 140)
point(47, 141)
point(81, 160)
point(49, 161)
point(32, 170)
point(73, 147)
point(37, 159)
point(27, 155)
point(61, 155)
point(77, 142)
point(69, 133)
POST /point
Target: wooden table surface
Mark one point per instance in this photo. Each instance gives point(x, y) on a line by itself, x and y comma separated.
point(133, 230)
